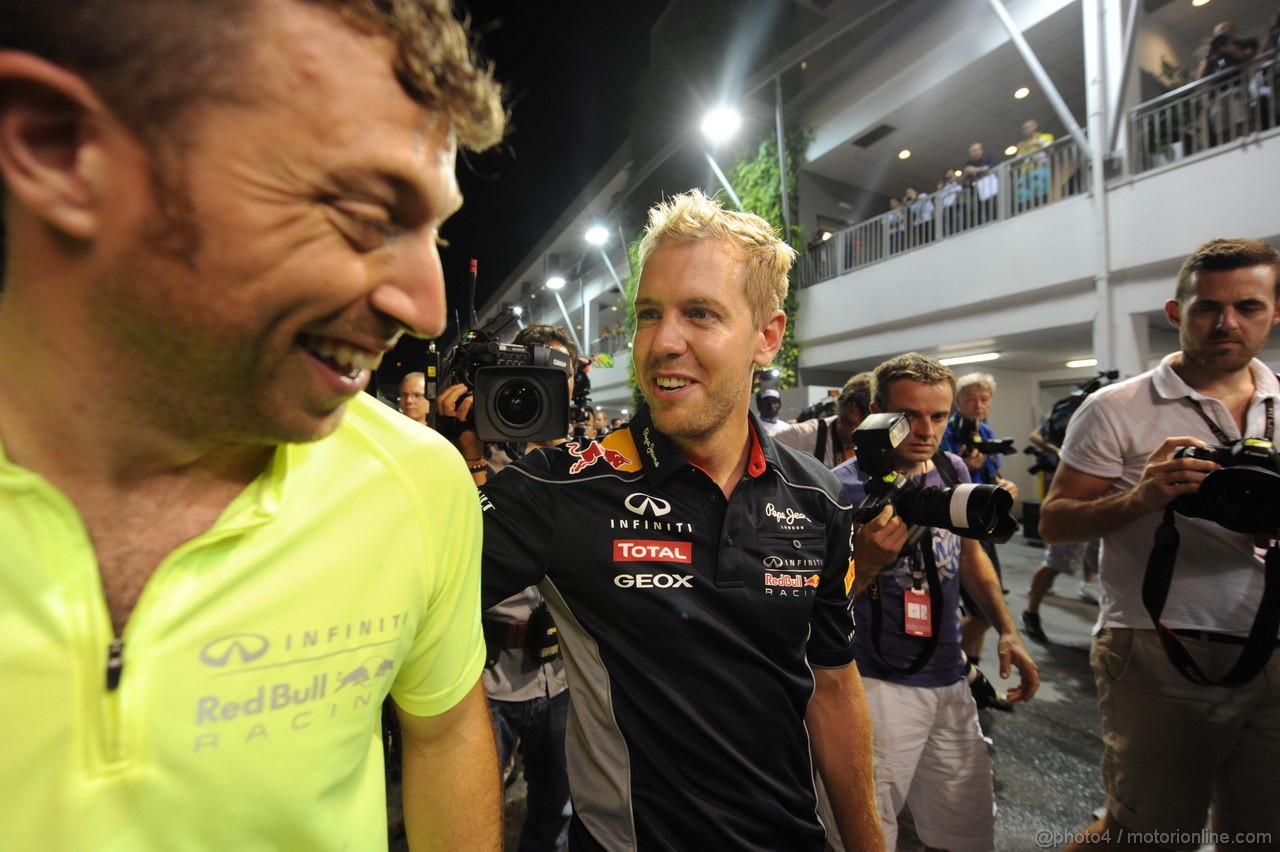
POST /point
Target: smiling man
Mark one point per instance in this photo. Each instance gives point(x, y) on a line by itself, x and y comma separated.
point(699, 575)
point(1119, 477)
point(220, 216)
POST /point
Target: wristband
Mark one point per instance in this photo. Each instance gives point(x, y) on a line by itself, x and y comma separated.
point(479, 467)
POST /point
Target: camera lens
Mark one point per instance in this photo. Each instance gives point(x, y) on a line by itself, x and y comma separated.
point(517, 403)
point(1243, 499)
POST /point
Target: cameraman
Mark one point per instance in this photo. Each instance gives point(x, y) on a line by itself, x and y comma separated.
point(928, 748)
point(524, 682)
point(974, 393)
point(1171, 746)
point(830, 439)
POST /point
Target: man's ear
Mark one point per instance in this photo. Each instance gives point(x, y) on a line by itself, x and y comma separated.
point(771, 338)
point(1173, 313)
point(46, 127)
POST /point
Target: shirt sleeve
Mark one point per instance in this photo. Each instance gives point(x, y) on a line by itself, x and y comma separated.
point(519, 528)
point(448, 651)
point(831, 622)
point(1092, 444)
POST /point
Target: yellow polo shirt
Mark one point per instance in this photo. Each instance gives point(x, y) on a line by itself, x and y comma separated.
point(247, 713)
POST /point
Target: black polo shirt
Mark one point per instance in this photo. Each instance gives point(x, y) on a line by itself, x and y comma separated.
point(688, 624)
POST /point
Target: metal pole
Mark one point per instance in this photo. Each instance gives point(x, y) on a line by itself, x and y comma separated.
point(1037, 71)
point(1117, 94)
point(782, 159)
point(564, 312)
point(609, 263)
point(724, 181)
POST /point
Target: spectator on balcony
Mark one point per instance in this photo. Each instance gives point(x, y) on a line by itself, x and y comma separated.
point(1227, 113)
point(980, 175)
point(897, 224)
point(920, 214)
point(1033, 181)
point(950, 192)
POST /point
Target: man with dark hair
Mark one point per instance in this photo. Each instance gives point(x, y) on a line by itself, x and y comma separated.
point(524, 673)
point(221, 216)
point(929, 751)
point(1202, 735)
point(698, 574)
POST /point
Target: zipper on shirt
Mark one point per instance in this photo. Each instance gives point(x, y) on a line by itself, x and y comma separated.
point(115, 663)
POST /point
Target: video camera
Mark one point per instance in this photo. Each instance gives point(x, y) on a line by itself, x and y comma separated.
point(825, 407)
point(967, 432)
point(521, 393)
point(972, 511)
point(581, 412)
point(1244, 494)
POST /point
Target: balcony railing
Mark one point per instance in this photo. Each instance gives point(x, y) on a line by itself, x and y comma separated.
point(1217, 110)
point(1014, 187)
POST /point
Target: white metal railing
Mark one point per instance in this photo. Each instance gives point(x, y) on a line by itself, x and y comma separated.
point(1225, 107)
point(1013, 187)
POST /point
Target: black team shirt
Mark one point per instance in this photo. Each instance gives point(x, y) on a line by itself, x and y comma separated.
point(688, 624)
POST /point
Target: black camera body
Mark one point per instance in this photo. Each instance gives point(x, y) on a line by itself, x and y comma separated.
point(521, 393)
point(968, 432)
point(581, 411)
point(972, 511)
point(1244, 494)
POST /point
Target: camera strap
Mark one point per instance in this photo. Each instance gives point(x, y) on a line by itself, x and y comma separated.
point(1262, 636)
point(922, 561)
point(1269, 404)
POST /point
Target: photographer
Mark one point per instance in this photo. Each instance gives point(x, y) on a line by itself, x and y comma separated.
point(830, 438)
point(974, 393)
point(1173, 746)
point(524, 676)
point(929, 750)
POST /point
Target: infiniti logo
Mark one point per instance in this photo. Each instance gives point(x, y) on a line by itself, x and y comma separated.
point(643, 504)
point(239, 648)
point(773, 562)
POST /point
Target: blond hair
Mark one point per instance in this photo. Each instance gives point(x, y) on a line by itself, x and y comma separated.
point(694, 216)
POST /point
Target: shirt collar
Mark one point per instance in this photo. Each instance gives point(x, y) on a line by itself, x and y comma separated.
point(1170, 385)
point(660, 457)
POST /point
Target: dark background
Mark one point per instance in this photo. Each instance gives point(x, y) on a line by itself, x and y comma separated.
point(569, 70)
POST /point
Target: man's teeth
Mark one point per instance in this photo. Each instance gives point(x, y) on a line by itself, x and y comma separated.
point(670, 384)
point(343, 355)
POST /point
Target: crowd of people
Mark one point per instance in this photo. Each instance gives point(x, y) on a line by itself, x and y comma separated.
point(968, 196)
point(219, 567)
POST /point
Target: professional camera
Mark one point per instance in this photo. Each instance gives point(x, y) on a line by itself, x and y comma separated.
point(1044, 462)
point(972, 511)
point(581, 412)
point(825, 407)
point(967, 432)
point(521, 393)
point(1244, 494)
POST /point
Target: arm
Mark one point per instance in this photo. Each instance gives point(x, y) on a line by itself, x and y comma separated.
point(979, 579)
point(877, 544)
point(1038, 439)
point(1076, 509)
point(452, 793)
point(839, 726)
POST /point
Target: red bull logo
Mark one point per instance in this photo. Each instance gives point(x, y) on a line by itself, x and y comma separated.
point(592, 453)
point(790, 581)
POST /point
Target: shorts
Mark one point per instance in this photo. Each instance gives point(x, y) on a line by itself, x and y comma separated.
point(1067, 558)
point(1172, 748)
point(930, 755)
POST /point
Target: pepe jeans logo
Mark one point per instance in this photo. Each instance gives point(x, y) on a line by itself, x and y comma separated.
point(643, 504)
point(787, 516)
point(238, 648)
point(649, 447)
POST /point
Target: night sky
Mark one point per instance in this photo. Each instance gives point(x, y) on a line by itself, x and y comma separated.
point(568, 68)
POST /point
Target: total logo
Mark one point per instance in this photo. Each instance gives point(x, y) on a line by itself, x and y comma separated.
point(631, 550)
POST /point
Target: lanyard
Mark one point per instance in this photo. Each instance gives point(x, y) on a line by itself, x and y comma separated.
point(1222, 436)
